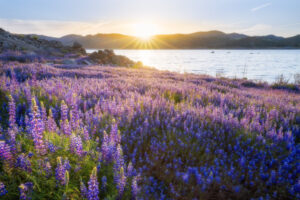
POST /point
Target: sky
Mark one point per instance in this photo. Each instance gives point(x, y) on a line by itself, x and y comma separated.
point(62, 17)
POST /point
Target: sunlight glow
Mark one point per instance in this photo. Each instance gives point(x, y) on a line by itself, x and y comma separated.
point(145, 31)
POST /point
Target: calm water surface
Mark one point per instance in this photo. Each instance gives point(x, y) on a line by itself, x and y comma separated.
point(265, 65)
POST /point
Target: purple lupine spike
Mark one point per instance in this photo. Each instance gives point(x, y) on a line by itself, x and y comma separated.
point(43, 114)
point(27, 93)
point(121, 181)
point(86, 135)
point(25, 189)
point(64, 111)
point(37, 129)
point(23, 163)
point(105, 147)
point(23, 192)
point(76, 145)
point(3, 190)
point(52, 148)
point(134, 187)
point(5, 153)
point(115, 134)
point(130, 170)
point(12, 132)
point(93, 186)
point(67, 164)
point(12, 112)
point(118, 157)
point(51, 124)
point(66, 128)
point(60, 172)
point(74, 114)
point(83, 190)
point(27, 123)
point(73, 144)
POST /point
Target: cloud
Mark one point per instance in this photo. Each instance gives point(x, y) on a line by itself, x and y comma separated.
point(260, 7)
point(257, 29)
point(52, 27)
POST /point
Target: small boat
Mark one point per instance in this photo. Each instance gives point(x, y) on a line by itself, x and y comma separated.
point(212, 52)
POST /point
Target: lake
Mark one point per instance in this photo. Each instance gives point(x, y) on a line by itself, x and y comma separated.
point(264, 65)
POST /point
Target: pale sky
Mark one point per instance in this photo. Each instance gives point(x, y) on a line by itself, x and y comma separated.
point(61, 17)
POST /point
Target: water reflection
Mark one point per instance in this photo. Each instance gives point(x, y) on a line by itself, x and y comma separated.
point(263, 65)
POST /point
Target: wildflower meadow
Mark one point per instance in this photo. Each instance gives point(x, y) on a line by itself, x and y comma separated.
point(119, 133)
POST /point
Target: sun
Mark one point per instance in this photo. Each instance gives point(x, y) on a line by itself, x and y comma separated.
point(144, 31)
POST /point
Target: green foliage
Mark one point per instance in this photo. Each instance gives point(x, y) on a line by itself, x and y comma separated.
point(3, 111)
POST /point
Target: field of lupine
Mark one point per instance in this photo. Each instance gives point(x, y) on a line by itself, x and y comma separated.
point(116, 133)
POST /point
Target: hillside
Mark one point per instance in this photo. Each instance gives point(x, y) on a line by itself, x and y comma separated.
point(36, 45)
point(198, 40)
point(29, 48)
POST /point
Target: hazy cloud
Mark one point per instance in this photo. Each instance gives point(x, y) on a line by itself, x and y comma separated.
point(257, 29)
point(52, 27)
point(260, 7)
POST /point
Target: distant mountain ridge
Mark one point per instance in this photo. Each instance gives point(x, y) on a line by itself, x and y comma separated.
point(197, 40)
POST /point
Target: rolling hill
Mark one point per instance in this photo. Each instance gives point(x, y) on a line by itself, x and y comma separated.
point(198, 40)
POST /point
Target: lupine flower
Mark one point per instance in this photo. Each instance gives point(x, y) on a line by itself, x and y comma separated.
point(30, 154)
point(3, 190)
point(74, 115)
point(25, 189)
point(67, 164)
point(51, 124)
point(52, 148)
point(12, 132)
point(121, 181)
point(37, 129)
point(130, 170)
point(83, 190)
point(76, 145)
point(134, 187)
point(43, 114)
point(86, 135)
point(105, 147)
point(66, 128)
point(60, 171)
point(5, 153)
point(93, 186)
point(64, 111)
point(115, 134)
point(23, 163)
point(12, 112)
point(119, 160)
point(48, 169)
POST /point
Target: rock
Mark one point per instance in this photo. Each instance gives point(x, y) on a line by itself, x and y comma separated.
point(87, 62)
point(69, 62)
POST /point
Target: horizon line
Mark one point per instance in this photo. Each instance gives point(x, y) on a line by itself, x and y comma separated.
point(160, 34)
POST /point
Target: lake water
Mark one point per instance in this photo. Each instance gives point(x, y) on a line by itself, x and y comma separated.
point(265, 65)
